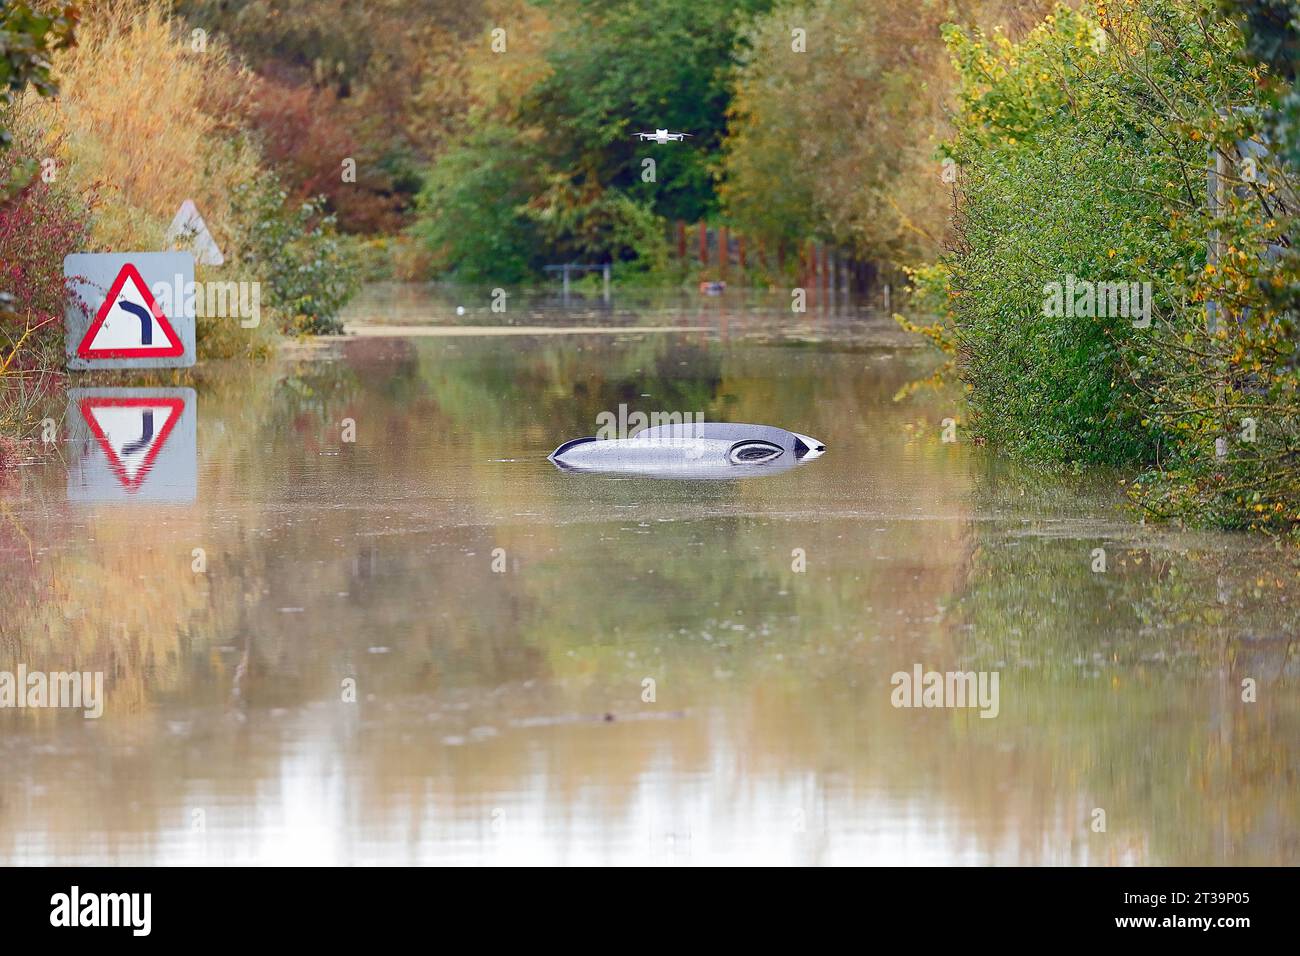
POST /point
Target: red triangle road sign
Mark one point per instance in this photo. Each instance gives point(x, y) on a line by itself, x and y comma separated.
point(127, 432)
point(129, 323)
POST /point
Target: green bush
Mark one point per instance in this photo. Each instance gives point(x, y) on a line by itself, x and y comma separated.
point(1082, 152)
point(307, 271)
point(27, 38)
point(472, 214)
point(599, 225)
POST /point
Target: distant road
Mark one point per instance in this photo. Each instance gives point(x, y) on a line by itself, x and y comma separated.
point(411, 331)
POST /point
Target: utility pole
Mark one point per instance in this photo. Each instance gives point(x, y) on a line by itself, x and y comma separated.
point(1215, 196)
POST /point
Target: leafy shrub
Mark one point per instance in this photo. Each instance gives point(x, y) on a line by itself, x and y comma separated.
point(1083, 152)
point(39, 225)
point(472, 208)
point(27, 38)
point(409, 259)
point(306, 133)
point(1041, 203)
point(590, 224)
point(306, 269)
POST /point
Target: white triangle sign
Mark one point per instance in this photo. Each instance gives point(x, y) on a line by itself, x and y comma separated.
point(129, 323)
point(188, 232)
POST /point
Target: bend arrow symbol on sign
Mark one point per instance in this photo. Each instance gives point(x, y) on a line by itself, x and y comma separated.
point(113, 336)
point(146, 321)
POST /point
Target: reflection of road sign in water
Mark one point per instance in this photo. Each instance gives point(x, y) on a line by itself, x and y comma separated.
point(133, 310)
point(133, 444)
point(129, 323)
point(131, 432)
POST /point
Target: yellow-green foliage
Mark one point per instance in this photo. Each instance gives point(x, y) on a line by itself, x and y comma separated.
point(1083, 152)
point(145, 118)
point(834, 132)
point(139, 121)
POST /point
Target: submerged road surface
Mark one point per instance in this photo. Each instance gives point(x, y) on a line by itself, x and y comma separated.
point(382, 627)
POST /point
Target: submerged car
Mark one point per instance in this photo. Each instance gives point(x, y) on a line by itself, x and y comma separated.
point(698, 450)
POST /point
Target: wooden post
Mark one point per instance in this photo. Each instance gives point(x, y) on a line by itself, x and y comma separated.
point(724, 253)
point(681, 241)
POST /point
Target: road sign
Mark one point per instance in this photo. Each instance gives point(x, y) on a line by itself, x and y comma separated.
point(133, 444)
point(130, 310)
point(130, 324)
point(189, 231)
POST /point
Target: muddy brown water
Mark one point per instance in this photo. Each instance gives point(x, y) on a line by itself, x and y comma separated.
point(502, 626)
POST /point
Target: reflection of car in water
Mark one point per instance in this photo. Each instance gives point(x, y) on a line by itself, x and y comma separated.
point(702, 450)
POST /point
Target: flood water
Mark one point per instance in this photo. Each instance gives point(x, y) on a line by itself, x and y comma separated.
point(501, 623)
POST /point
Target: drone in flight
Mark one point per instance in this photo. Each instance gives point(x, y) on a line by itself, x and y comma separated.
point(662, 136)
